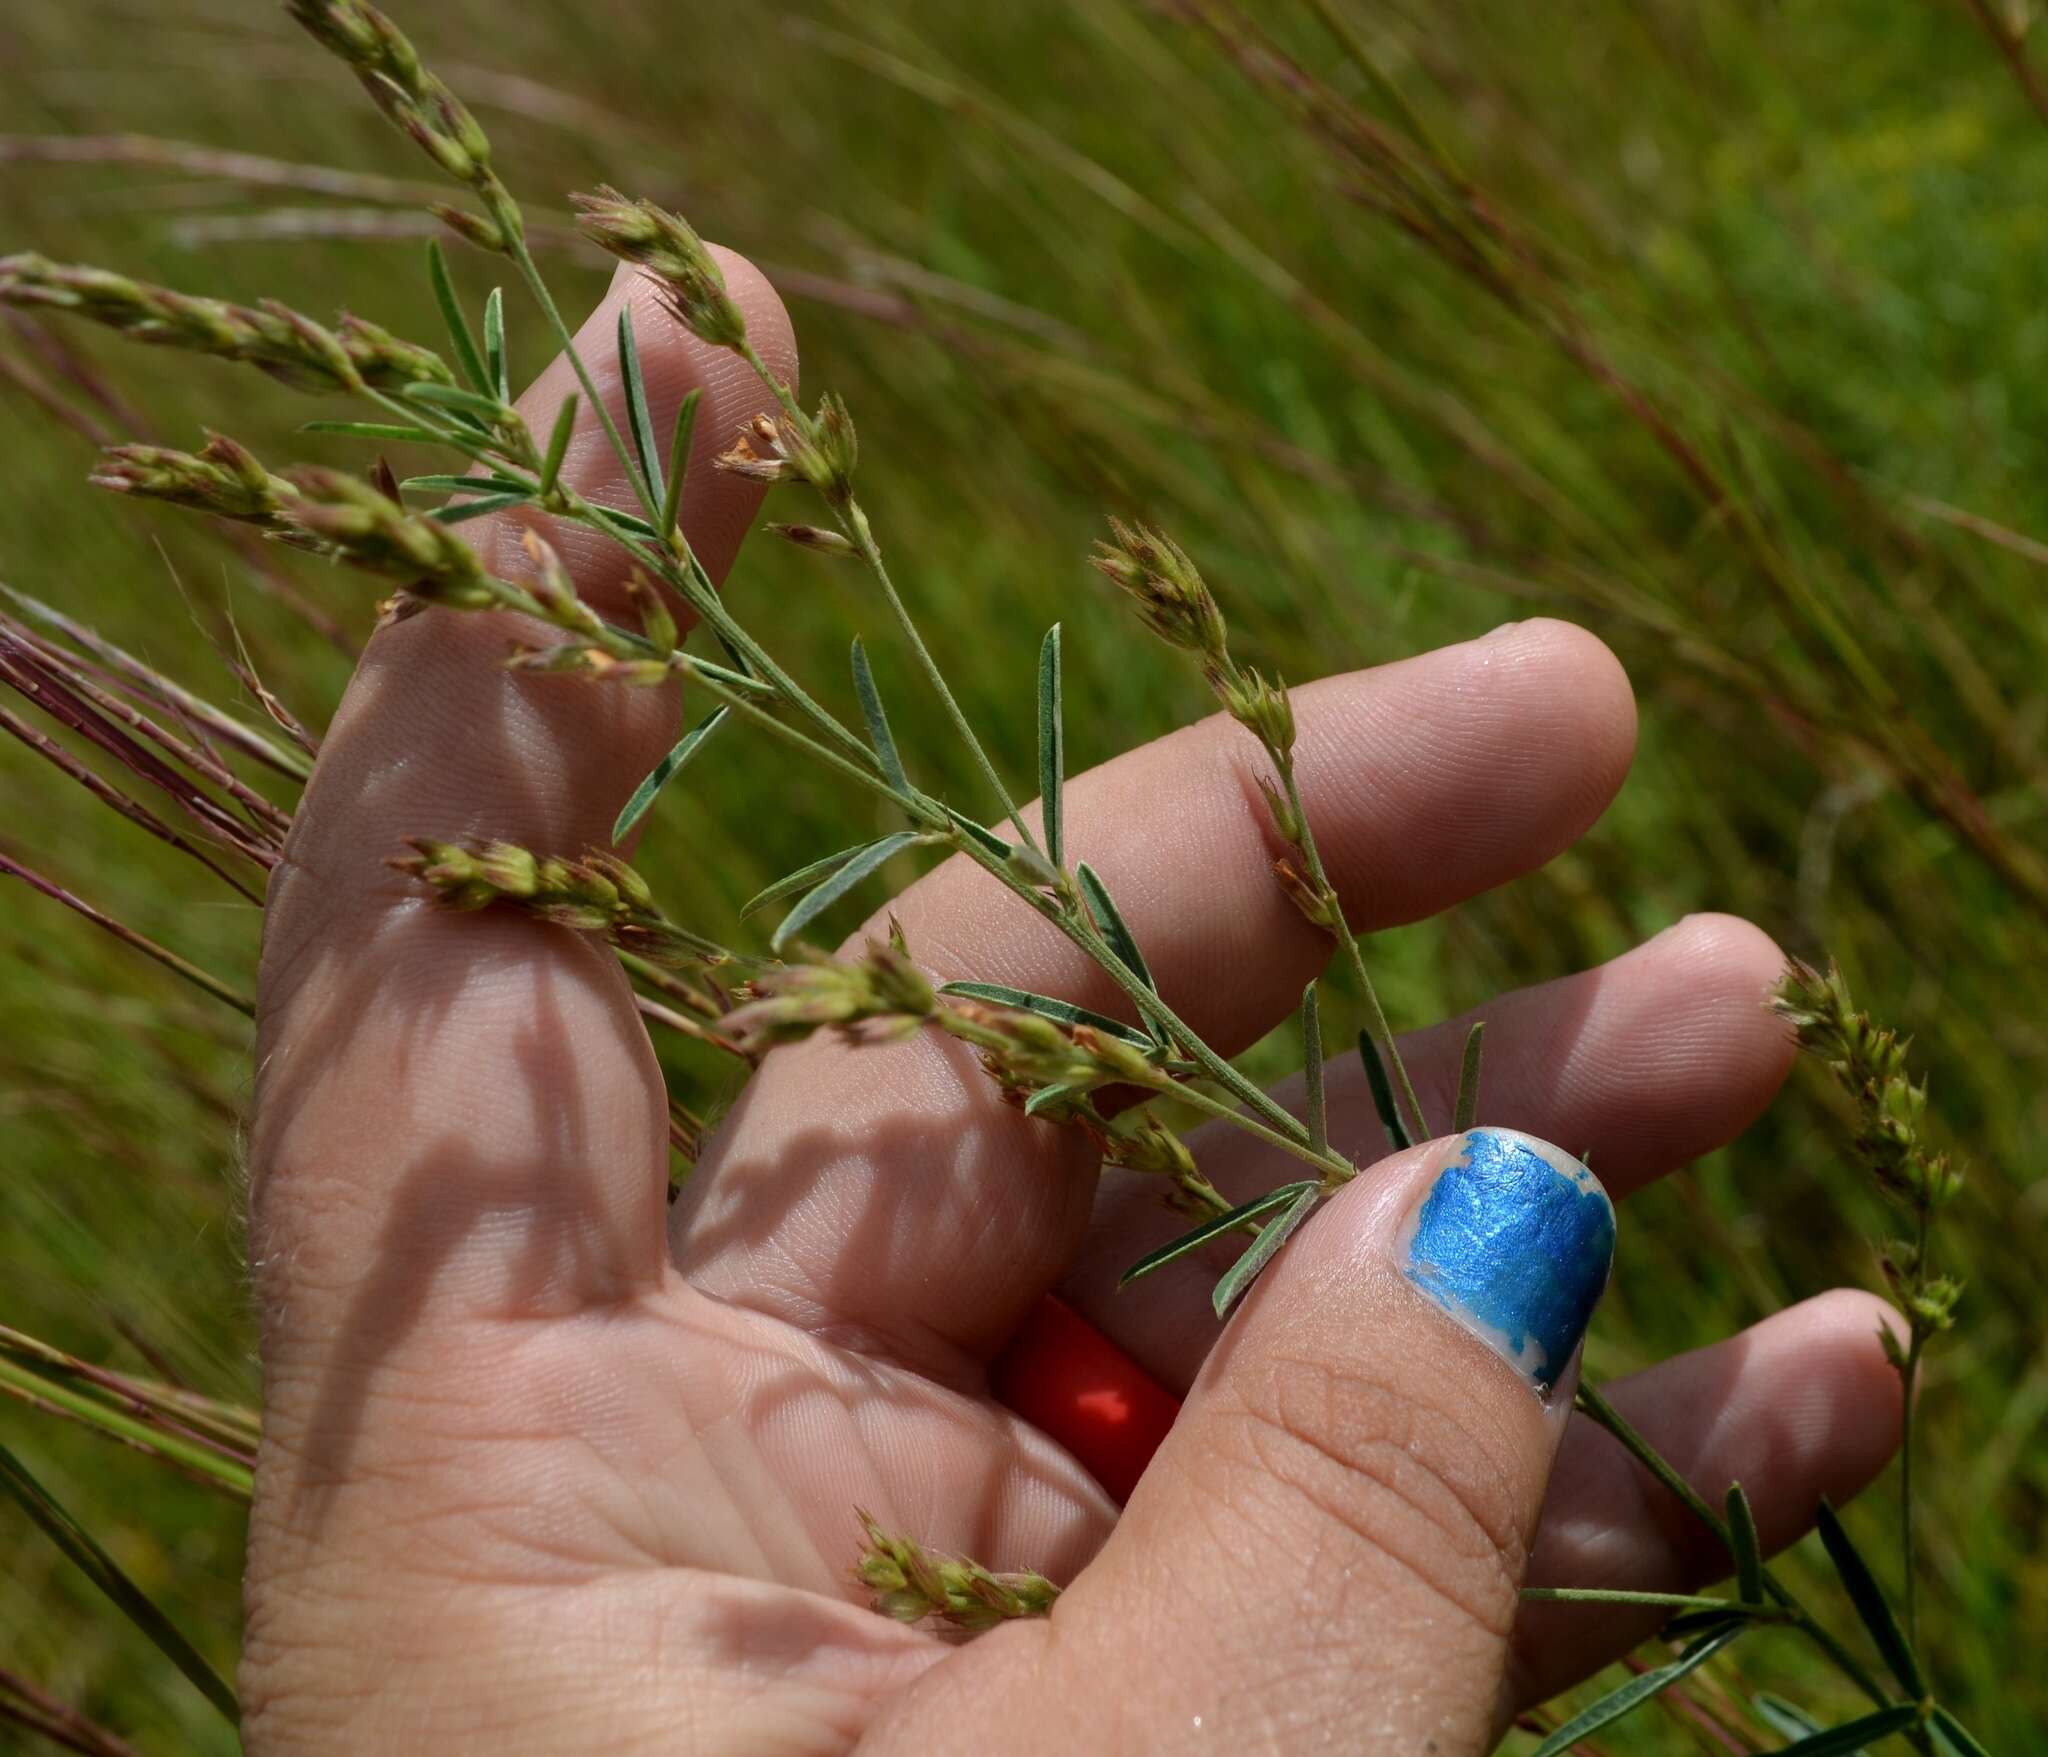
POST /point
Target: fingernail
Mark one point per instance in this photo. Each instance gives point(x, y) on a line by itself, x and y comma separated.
point(1514, 1239)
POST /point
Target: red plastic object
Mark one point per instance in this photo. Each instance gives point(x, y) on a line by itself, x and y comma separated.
point(1066, 1378)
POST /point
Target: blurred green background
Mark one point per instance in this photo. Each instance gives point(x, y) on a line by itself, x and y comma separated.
point(1064, 256)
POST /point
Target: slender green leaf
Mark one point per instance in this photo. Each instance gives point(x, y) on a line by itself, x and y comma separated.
point(801, 880)
point(1748, 1548)
point(678, 461)
point(666, 770)
point(558, 444)
point(1467, 1112)
point(1047, 1096)
point(1870, 1602)
point(1052, 748)
point(465, 402)
point(1854, 1735)
point(463, 511)
point(817, 901)
point(987, 838)
point(1635, 1693)
point(1111, 922)
point(1687, 1624)
point(638, 421)
point(465, 484)
point(466, 356)
point(104, 1572)
point(879, 734)
point(1060, 1012)
point(1237, 1280)
point(741, 680)
point(390, 430)
point(1787, 1719)
point(495, 363)
point(1382, 1092)
point(1316, 1108)
point(1220, 1227)
point(1965, 1742)
point(149, 1431)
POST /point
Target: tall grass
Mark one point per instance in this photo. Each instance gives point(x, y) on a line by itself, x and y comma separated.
point(1715, 328)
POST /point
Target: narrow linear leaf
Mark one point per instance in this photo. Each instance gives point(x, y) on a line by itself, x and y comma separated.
point(1382, 1092)
point(484, 409)
point(1635, 1693)
point(879, 734)
point(1052, 748)
point(1467, 1112)
point(375, 430)
point(558, 444)
point(466, 355)
point(817, 901)
point(1748, 1548)
point(1047, 1096)
point(1318, 1115)
point(1854, 1735)
point(1060, 1012)
point(1870, 1602)
point(744, 680)
point(666, 771)
point(1237, 1280)
point(638, 421)
point(1687, 1624)
point(499, 383)
point(1111, 922)
point(462, 512)
point(104, 1572)
point(678, 461)
point(1953, 1730)
point(1220, 1227)
point(1787, 1719)
point(464, 484)
point(801, 880)
point(987, 838)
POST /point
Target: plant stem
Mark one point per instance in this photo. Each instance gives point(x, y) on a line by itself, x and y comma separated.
point(1335, 1169)
point(1598, 1409)
point(1676, 1601)
point(1376, 1016)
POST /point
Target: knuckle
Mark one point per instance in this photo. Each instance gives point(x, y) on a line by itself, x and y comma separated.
point(1404, 1480)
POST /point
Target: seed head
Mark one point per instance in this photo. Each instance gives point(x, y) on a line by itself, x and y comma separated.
point(1264, 709)
point(878, 997)
point(1166, 586)
point(359, 525)
point(816, 539)
point(222, 478)
point(691, 283)
point(911, 1583)
point(285, 343)
point(820, 449)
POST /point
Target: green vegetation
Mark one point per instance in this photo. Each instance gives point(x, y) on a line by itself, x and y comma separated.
point(1741, 380)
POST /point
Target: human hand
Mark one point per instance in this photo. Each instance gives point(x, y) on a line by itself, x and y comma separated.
point(547, 1467)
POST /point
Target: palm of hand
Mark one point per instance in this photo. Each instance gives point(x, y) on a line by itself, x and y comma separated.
point(542, 1471)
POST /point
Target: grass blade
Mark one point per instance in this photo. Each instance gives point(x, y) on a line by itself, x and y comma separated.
point(1959, 1736)
point(1221, 1226)
point(1854, 1735)
point(1634, 1693)
point(1467, 1112)
point(1870, 1602)
point(666, 770)
point(1318, 1114)
point(104, 1572)
point(1060, 1012)
point(678, 461)
point(459, 337)
point(1382, 1093)
point(1111, 922)
point(149, 1435)
point(499, 381)
point(817, 901)
point(1748, 1547)
point(1275, 1233)
point(879, 734)
point(638, 422)
point(1052, 748)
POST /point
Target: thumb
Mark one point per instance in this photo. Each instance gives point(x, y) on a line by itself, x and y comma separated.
point(1329, 1548)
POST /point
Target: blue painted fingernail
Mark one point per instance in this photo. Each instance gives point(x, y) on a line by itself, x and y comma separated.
point(1514, 1240)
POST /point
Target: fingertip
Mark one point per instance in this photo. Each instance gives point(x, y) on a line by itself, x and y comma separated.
point(768, 322)
point(1595, 700)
